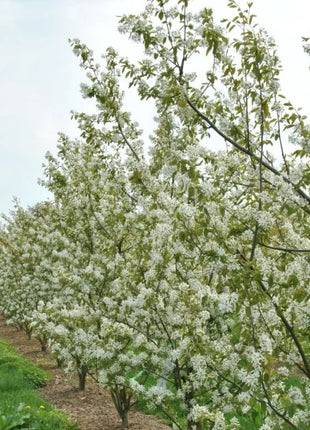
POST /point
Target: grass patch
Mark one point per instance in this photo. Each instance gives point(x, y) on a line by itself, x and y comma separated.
point(20, 405)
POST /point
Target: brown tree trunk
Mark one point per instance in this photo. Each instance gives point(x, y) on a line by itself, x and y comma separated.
point(82, 372)
point(121, 397)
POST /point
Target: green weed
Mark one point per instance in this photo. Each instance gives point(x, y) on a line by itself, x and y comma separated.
point(20, 406)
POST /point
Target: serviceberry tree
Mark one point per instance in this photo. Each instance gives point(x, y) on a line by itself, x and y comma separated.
point(180, 267)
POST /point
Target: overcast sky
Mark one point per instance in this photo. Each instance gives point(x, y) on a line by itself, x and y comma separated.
point(40, 77)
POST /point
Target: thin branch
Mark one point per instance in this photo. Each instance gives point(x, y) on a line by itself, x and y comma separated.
point(289, 328)
point(279, 346)
point(96, 218)
point(246, 150)
point(279, 248)
point(171, 419)
point(282, 416)
point(281, 144)
point(127, 141)
point(262, 119)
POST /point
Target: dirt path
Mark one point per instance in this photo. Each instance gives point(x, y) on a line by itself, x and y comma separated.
point(92, 408)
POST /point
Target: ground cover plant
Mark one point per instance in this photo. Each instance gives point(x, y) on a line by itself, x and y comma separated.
point(184, 256)
point(20, 406)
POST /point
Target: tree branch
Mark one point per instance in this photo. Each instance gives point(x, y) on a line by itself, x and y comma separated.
point(246, 150)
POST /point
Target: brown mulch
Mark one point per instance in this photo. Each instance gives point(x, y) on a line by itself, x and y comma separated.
point(93, 408)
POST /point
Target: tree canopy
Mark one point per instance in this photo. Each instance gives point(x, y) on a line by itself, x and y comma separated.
point(171, 269)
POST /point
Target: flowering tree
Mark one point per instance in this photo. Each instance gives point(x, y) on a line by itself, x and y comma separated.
point(26, 272)
point(189, 266)
point(248, 202)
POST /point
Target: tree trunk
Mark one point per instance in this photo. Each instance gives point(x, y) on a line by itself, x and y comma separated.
point(28, 331)
point(121, 397)
point(125, 422)
point(82, 372)
point(59, 362)
point(191, 424)
point(43, 342)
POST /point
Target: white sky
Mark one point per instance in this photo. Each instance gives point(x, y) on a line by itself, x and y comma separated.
point(40, 77)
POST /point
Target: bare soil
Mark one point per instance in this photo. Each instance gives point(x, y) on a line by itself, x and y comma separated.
point(93, 408)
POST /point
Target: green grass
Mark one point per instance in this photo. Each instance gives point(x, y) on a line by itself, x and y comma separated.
point(20, 405)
